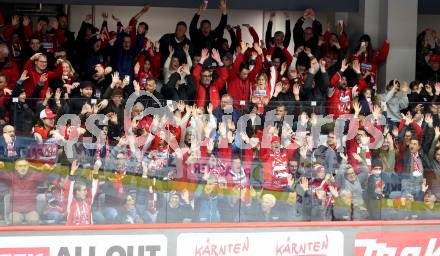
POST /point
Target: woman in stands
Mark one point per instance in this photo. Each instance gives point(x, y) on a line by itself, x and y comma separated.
point(369, 58)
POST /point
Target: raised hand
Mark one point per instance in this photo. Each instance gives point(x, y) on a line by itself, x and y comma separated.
point(306, 14)
point(408, 118)
point(112, 117)
point(269, 58)
point(186, 49)
point(257, 48)
point(356, 108)
point(104, 15)
point(48, 94)
point(344, 65)
point(308, 51)
point(209, 108)
point(36, 56)
point(74, 167)
point(283, 68)
point(428, 119)
point(299, 50)
point(376, 111)
point(216, 56)
point(202, 8)
point(304, 183)
point(7, 91)
point(15, 20)
point(357, 157)
point(57, 96)
point(243, 47)
point(145, 8)
point(424, 186)
point(205, 55)
point(108, 70)
point(157, 46)
point(222, 6)
point(314, 66)
point(26, 21)
point(296, 90)
point(437, 88)
point(171, 50)
point(24, 76)
point(186, 69)
point(115, 79)
point(356, 66)
point(334, 191)
point(43, 78)
point(103, 104)
point(322, 63)
point(278, 88)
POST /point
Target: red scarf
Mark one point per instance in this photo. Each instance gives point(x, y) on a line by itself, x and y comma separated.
point(80, 213)
point(415, 159)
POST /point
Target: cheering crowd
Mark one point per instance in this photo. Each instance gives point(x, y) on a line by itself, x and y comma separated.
point(239, 133)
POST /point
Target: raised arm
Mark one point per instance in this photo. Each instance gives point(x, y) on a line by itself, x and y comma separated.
point(193, 30)
point(288, 34)
point(269, 28)
point(382, 55)
point(298, 31)
point(218, 31)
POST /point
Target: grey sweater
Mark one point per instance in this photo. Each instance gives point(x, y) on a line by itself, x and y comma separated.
point(395, 102)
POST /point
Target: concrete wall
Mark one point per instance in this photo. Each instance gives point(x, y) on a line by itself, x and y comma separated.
point(428, 21)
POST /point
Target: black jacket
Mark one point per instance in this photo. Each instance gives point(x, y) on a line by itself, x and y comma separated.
point(185, 92)
point(298, 35)
point(170, 40)
point(200, 41)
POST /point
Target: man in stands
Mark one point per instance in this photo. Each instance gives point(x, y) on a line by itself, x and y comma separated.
point(208, 89)
point(23, 184)
point(205, 37)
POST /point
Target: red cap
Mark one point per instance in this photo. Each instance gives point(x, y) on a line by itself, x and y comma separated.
point(47, 113)
point(435, 58)
point(284, 80)
point(275, 139)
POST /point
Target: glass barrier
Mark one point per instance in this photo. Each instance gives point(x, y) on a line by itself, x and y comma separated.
point(86, 161)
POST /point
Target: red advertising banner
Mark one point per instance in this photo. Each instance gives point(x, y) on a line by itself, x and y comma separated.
point(34, 251)
point(398, 243)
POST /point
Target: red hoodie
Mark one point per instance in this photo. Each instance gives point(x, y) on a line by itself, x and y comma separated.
point(339, 101)
point(239, 89)
point(214, 88)
point(34, 77)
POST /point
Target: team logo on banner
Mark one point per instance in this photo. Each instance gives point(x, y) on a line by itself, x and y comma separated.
point(84, 245)
point(406, 243)
point(321, 243)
